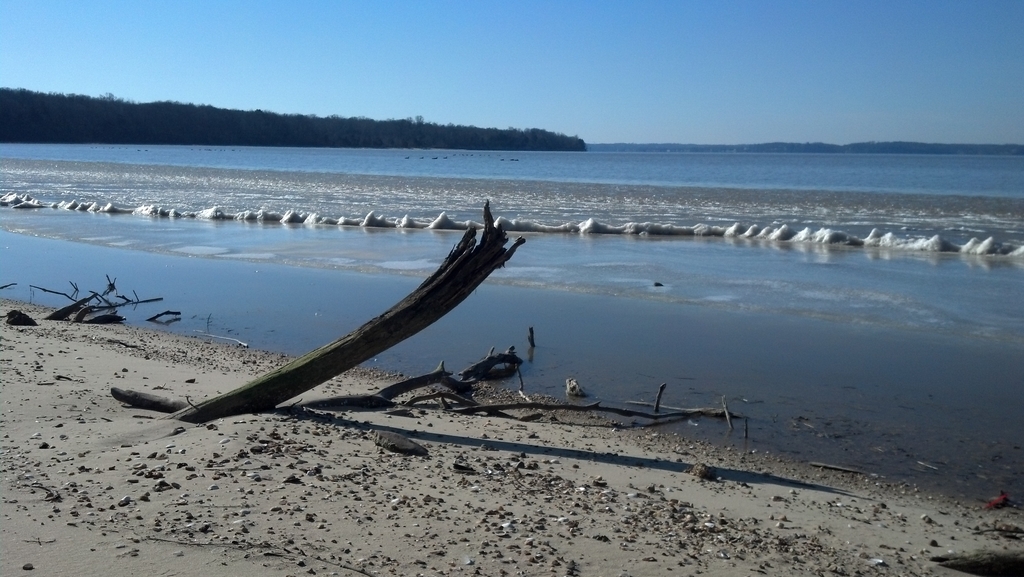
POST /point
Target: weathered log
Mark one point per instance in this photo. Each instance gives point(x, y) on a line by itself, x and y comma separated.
point(64, 313)
point(484, 369)
point(104, 319)
point(466, 267)
point(381, 399)
point(441, 397)
point(107, 319)
point(398, 443)
point(385, 397)
point(20, 319)
point(985, 562)
point(147, 401)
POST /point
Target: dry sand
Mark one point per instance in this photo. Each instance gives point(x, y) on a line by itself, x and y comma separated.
point(91, 487)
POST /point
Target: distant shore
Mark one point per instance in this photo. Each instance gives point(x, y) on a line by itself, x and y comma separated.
point(80, 119)
point(820, 148)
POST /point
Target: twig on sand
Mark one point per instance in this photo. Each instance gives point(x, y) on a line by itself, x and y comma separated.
point(245, 547)
point(123, 344)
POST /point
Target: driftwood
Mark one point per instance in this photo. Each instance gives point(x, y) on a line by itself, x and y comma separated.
point(984, 562)
point(70, 297)
point(593, 407)
point(398, 443)
point(157, 316)
point(20, 319)
point(441, 397)
point(81, 308)
point(468, 264)
point(839, 468)
point(704, 412)
point(466, 267)
point(63, 313)
point(104, 319)
point(657, 400)
point(147, 401)
point(487, 368)
point(384, 397)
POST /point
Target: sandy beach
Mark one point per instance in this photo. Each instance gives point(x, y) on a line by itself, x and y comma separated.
point(91, 487)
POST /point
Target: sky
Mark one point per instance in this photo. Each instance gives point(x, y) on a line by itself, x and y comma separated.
point(710, 72)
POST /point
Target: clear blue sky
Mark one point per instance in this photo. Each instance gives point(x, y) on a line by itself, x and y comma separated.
point(629, 71)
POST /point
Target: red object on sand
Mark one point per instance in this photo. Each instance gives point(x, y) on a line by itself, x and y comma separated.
point(999, 502)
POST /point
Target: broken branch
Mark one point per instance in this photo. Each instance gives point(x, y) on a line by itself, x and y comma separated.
point(465, 268)
point(707, 412)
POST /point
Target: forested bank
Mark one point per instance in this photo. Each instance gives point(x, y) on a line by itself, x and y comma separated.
point(819, 148)
point(35, 117)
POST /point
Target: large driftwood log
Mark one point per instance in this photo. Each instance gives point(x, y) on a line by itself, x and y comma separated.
point(384, 398)
point(63, 313)
point(487, 367)
point(381, 399)
point(985, 562)
point(465, 268)
point(147, 401)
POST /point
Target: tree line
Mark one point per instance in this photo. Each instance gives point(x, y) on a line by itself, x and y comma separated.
point(35, 117)
point(820, 147)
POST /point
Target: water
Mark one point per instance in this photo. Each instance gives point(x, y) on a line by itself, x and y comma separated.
point(877, 349)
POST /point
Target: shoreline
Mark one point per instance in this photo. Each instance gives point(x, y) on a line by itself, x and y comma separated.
point(929, 409)
point(320, 496)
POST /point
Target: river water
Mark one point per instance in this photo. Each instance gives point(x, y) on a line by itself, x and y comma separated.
point(860, 308)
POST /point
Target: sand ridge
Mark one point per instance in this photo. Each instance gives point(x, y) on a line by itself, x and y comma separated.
point(91, 487)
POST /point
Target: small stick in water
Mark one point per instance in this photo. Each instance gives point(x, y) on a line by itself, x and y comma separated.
point(530, 338)
point(657, 402)
point(725, 406)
